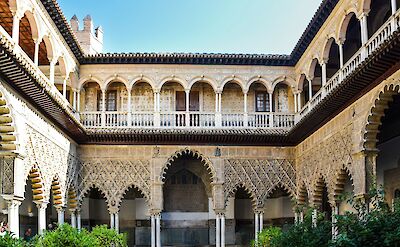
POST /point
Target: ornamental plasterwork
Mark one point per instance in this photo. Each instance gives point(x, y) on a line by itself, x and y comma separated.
point(7, 175)
point(113, 178)
point(259, 177)
point(52, 160)
point(326, 159)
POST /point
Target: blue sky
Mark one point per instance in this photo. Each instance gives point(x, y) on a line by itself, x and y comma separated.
point(218, 26)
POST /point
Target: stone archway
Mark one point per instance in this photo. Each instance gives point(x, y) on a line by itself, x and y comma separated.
point(194, 153)
point(188, 192)
point(381, 136)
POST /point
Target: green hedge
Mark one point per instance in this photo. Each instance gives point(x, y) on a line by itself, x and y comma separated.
point(378, 227)
point(65, 235)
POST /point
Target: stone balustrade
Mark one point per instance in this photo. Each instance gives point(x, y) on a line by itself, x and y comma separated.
point(182, 119)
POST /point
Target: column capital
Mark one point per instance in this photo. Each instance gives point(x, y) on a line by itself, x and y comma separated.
point(41, 205)
point(60, 208)
point(258, 210)
point(72, 210)
point(220, 212)
point(340, 41)
point(11, 198)
point(323, 61)
point(14, 203)
point(155, 212)
point(363, 14)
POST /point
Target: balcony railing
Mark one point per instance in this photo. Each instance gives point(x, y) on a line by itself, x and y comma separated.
point(203, 120)
point(380, 36)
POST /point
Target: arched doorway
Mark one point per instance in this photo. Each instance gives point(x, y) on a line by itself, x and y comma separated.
point(244, 217)
point(187, 215)
point(352, 36)
point(93, 210)
point(134, 219)
point(278, 209)
point(388, 139)
point(380, 12)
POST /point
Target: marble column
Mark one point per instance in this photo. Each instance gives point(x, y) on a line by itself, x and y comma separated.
point(153, 230)
point(41, 216)
point(60, 215)
point(13, 216)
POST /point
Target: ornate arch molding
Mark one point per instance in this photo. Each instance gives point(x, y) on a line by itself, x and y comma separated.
point(36, 178)
point(133, 186)
point(302, 194)
point(317, 191)
point(57, 192)
point(248, 188)
point(373, 121)
point(292, 194)
point(193, 153)
point(260, 176)
point(7, 131)
point(113, 178)
point(341, 177)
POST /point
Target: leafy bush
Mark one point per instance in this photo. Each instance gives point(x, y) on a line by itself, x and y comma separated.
point(265, 237)
point(380, 226)
point(65, 235)
point(8, 240)
point(108, 237)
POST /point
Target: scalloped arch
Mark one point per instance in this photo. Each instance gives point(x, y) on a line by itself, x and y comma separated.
point(251, 193)
point(341, 176)
point(127, 188)
point(291, 193)
point(373, 120)
point(195, 154)
point(8, 132)
point(37, 182)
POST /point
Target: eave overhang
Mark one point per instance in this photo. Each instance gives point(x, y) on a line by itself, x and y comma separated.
point(15, 72)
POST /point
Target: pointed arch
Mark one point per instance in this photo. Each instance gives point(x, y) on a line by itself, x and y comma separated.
point(57, 192)
point(8, 133)
point(341, 177)
point(37, 181)
point(133, 186)
point(72, 198)
point(84, 192)
point(193, 153)
point(374, 118)
point(251, 192)
point(287, 189)
point(317, 191)
point(303, 195)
